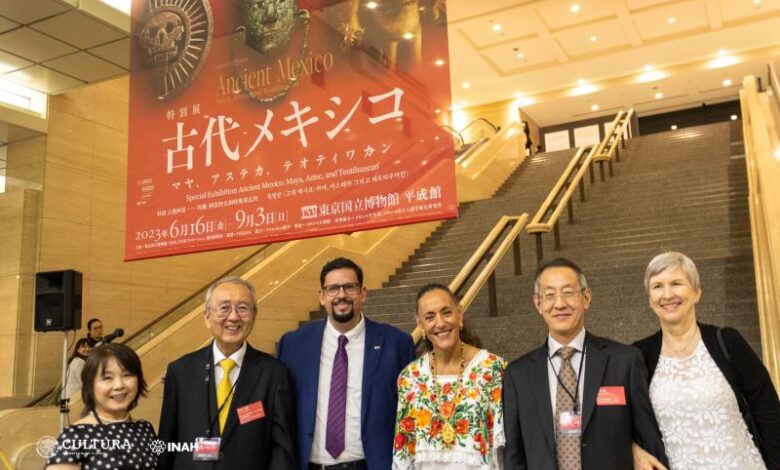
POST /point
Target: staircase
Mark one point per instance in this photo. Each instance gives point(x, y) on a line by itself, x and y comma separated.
point(684, 190)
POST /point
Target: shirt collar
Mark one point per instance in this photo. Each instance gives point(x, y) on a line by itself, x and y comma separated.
point(237, 357)
point(352, 334)
point(577, 343)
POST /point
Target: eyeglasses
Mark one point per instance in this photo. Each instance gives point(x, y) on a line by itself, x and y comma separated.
point(350, 288)
point(223, 310)
point(568, 295)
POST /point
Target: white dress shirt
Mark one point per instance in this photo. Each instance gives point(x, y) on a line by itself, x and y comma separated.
point(237, 357)
point(553, 346)
point(355, 347)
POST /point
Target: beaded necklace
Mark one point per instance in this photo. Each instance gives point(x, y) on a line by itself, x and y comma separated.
point(448, 430)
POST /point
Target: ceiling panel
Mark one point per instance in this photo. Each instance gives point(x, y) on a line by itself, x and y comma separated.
point(640, 4)
point(514, 24)
point(505, 57)
point(557, 14)
point(43, 79)
point(78, 29)
point(10, 62)
point(577, 41)
point(458, 10)
point(654, 23)
point(733, 10)
point(27, 11)
point(6, 24)
point(85, 67)
point(33, 45)
point(117, 52)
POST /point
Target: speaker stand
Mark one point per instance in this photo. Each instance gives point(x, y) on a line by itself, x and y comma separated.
point(64, 410)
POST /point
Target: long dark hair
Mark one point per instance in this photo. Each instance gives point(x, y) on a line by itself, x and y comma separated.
point(76, 352)
point(96, 363)
point(465, 335)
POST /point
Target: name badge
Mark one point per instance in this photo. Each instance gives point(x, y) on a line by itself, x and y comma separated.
point(206, 449)
point(251, 412)
point(611, 396)
point(570, 424)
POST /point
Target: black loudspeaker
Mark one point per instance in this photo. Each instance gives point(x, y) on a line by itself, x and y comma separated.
point(58, 301)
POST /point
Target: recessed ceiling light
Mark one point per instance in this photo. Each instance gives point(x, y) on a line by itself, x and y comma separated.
point(439, 62)
point(757, 3)
point(722, 52)
point(581, 81)
point(727, 82)
point(594, 38)
point(658, 95)
point(466, 85)
point(408, 36)
point(594, 107)
point(520, 55)
point(496, 27)
point(671, 20)
point(734, 117)
point(575, 8)
point(648, 68)
point(674, 127)
point(371, 5)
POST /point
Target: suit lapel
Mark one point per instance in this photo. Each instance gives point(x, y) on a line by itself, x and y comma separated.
point(210, 404)
point(372, 353)
point(595, 365)
point(247, 381)
point(312, 352)
point(540, 386)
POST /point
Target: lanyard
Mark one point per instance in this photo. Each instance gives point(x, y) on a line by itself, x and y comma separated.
point(576, 394)
point(213, 421)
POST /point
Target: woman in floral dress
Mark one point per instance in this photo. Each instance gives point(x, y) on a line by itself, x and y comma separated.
point(449, 400)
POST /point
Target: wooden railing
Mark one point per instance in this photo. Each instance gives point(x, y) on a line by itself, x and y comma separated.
point(761, 130)
point(609, 148)
point(515, 226)
point(560, 197)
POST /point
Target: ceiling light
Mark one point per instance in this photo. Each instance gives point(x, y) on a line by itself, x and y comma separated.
point(583, 88)
point(674, 127)
point(723, 60)
point(757, 3)
point(594, 38)
point(581, 81)
point(734, 117)
point(408, 36)
point(520, 55)
point(777, 153)
point(650, 75)
point(671, 20)
point(727, 82)
point(466, 85)
point(496, 27)
point(594, 107)
point(22, 97)
point(439, 62)
point(575, 8)
point(658, 95)
point(371, 5)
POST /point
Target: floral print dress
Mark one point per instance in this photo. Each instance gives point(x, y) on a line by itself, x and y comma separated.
point(474, 412)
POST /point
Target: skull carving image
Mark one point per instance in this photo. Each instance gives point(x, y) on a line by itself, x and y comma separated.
point(174, 40)
point(162, 38)
point(269, 24)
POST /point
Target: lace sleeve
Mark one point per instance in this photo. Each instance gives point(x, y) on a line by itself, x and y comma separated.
point(495, 405)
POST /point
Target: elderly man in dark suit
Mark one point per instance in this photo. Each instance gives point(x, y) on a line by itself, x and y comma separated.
point(579, 401)
point(344, 372)
point(229, 404)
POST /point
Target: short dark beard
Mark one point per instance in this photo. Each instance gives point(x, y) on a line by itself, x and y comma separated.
point(344, 318)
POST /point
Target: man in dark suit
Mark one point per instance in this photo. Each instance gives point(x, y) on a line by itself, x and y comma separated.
point(234, 401)
point(579, 401)
point(344, 371)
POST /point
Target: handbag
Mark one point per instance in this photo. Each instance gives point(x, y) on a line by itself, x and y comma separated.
point(744, 406)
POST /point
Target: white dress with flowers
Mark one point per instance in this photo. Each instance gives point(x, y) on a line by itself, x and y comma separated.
point(474, 412)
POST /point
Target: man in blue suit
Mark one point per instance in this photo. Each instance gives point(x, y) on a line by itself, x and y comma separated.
point(344, 371)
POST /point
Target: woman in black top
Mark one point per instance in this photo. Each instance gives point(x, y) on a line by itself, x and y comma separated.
point(704, 379)
point(107, 437)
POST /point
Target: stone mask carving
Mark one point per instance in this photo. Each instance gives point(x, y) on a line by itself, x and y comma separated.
point(161, 37)
point(269, 24)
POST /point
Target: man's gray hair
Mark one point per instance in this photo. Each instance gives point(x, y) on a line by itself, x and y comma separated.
point(232, 280)
point(672, 260)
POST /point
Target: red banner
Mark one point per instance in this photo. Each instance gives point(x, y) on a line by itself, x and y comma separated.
point(256, 121)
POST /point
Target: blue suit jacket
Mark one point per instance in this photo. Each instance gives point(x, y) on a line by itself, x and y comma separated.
point(388, 350)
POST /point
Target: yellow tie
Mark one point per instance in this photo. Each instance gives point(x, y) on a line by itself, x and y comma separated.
point(223, 392)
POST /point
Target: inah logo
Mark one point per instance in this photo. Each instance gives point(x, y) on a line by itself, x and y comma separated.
point(157, 446)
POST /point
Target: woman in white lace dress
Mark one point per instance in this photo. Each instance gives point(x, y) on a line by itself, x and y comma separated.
point(449, 400)
point(702, 378)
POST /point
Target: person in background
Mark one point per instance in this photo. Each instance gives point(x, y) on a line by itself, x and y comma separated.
point(94, 332)
point(449, 399)
point(107, 437)
point(75, 366)
point(703, 381)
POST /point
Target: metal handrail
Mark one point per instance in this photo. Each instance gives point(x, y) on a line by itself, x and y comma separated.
point(143, 334)
point(563, 189)
point(465, 156)
point(493, 126)
point(455, 133)
point(487, 275)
